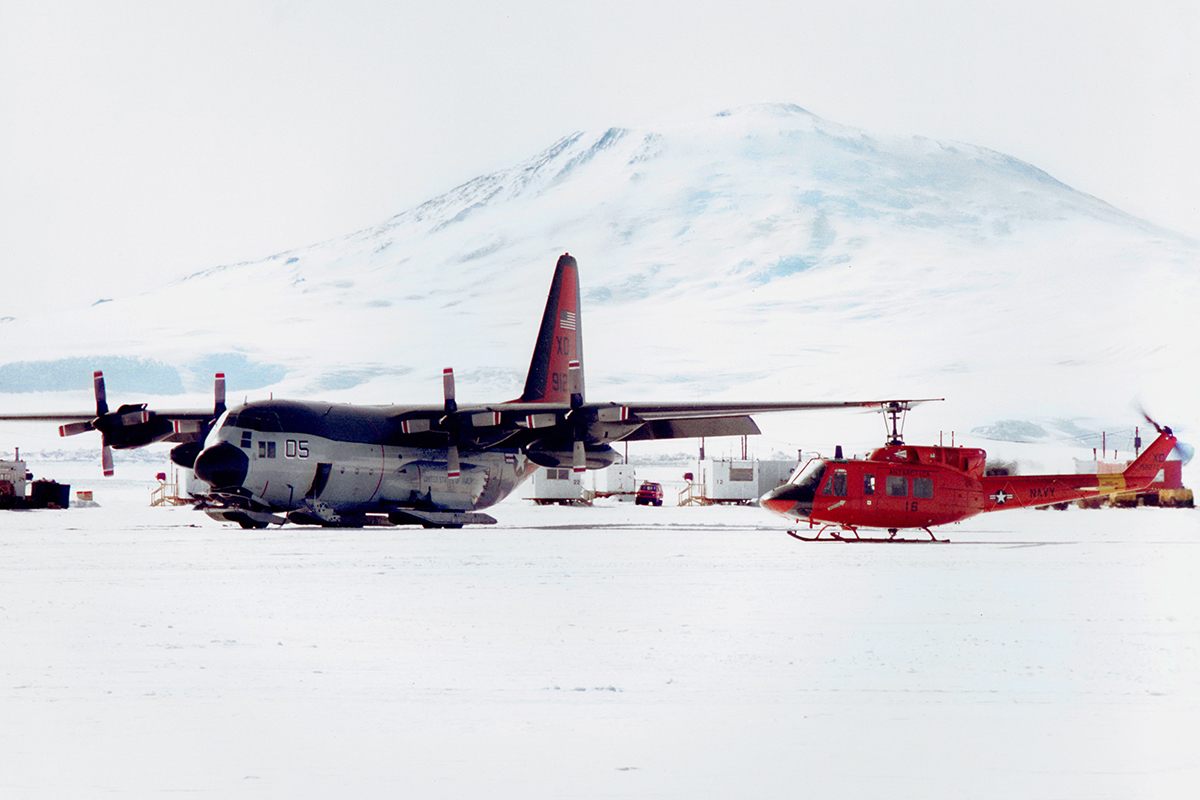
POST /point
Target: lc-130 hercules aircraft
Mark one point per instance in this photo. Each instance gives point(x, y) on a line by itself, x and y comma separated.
point(906, 486)
point(318, 463)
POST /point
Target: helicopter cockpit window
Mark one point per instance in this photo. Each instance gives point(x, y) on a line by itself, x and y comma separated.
point(923, 487)
point(897, 486)
point(809, 476)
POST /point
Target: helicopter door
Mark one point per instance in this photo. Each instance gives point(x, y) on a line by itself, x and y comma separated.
point(835, 485)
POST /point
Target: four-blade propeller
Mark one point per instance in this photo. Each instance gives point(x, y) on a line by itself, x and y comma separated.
point(134, 425)
point(105, 422)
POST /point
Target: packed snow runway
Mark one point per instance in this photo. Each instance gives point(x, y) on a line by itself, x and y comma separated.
point(613, 651)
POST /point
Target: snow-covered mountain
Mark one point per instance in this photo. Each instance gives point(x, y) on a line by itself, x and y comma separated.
point(760, 253)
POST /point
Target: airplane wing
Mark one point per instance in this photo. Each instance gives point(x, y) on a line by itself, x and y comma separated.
point(580, 434)
point(131, 425)
point(692, 420)
point(88, 416)
point(607, 422)
point(662, 411)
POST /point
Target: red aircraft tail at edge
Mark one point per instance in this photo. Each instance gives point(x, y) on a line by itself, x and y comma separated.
point(1028, 491)
point(556, 370)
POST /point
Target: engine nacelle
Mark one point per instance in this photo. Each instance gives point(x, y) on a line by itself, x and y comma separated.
point(185, 454)
point(562, 454)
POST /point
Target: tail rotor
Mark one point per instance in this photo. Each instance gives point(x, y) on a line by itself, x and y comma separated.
point(1182, 451)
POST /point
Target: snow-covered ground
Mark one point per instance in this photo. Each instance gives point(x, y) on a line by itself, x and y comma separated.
point(613, 651)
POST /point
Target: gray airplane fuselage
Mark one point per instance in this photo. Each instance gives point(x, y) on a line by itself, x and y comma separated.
point(319, 458)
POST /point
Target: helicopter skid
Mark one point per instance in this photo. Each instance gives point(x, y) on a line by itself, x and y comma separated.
point(836, 535)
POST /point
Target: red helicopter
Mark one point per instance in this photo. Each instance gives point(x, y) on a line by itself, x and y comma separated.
point(905, 486)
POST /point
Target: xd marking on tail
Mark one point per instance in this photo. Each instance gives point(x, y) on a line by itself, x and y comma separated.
point(559, 342)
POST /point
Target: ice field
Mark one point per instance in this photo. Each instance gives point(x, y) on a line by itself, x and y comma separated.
point(612, 651)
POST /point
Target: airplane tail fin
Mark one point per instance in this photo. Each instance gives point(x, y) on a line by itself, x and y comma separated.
point(556, 371)
point(1145, 468)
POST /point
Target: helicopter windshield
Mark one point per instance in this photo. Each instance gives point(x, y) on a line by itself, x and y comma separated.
point(809, 476)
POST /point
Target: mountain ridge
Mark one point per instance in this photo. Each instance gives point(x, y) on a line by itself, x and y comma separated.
point(705, 249)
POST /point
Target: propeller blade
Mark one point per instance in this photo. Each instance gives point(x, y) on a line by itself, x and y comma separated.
point(410, 426)
point(101, 395)
point(575, 383)
point(74, 428)
point(448, 390)
point(453, 425)
point(139, 417)
point(106, 460)
point(219, 395)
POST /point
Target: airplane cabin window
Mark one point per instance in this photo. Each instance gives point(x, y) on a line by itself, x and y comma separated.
point(897, 486)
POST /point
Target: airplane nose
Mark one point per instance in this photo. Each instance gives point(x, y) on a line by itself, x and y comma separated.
point(222, 466)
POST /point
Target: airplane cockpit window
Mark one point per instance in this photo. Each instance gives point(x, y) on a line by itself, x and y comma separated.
point(259, 419)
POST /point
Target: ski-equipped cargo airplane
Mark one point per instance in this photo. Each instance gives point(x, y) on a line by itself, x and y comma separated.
point(318, 463)
point(905, 486)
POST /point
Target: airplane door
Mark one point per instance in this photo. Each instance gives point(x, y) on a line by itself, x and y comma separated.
point(320, 480)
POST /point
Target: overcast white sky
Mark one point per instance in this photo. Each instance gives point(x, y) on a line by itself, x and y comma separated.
point(142, 140)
